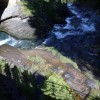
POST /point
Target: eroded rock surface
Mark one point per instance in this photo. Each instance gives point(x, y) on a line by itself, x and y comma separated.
point(72, 76)
point(15, 21)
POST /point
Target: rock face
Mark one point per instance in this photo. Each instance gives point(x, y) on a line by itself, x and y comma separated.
point(15, 22)
point(3, 5)
point(72, 76)
point(13, 56)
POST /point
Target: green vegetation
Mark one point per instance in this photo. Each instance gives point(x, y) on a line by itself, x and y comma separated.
point(27, 10)
point(57, 88)
point(26, 83)
point(40, 65)
point(94, 95)
point(63, 59)
point(45, 13)
point(2, 66)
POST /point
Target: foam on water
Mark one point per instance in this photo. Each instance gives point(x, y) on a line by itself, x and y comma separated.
point(74, 9)
point(6, 39)
point(77, 24)
point(88, 28)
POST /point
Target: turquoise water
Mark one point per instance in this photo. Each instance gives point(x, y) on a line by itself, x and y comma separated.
point(23, 44)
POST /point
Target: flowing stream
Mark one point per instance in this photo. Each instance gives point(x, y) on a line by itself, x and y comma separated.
point(79, 23)
point(23, 44)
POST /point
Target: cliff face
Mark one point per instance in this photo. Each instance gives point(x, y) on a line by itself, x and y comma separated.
point(15, 22)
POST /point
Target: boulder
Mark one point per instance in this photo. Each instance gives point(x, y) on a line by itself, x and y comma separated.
point(3, 5)
point(14, 57)
point(15, 21)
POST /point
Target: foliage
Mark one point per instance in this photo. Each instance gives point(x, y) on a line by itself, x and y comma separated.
point(57, 88)
point(27, 85)
point(51, 11)
point(40, 65)
point(2, 66)
point(27, 9)
point(94, 95)
point(63, 59)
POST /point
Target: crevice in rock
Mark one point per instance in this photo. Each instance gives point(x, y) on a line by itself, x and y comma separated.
point(12, 17)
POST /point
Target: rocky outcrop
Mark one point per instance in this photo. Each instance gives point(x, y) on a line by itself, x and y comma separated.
point(32, 19)
point(14, 57)
point(3, 5)
point(72, 76)
point(15, 21)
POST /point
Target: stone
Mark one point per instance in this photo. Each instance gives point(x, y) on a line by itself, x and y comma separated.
point(18, 28)
point(14, 57)
point(15, 21)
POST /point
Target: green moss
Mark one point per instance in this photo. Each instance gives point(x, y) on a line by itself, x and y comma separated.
point(2, 66)
point(63, 59)
point(37, 59)
point(27, 9)
point(54, 86)
point(57, 88)
point(94, 95)
point(40, 64)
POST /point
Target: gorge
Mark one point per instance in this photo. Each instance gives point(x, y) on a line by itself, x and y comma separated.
point(77, 38)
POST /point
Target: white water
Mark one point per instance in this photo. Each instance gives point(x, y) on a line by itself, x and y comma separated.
point(77, 24)
point(6, 39)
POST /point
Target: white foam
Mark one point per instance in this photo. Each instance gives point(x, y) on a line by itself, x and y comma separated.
point(68, 26)
point(74, 10)
point(88, 28)
point(13, 42)
point(59, 35)
point(4, 41)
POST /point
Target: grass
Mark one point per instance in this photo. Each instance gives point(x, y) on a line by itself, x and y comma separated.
point(40, 64)
point(63, 59)
point(27, 9)
point(54, 82)
point(95, 93)
point(2, 66)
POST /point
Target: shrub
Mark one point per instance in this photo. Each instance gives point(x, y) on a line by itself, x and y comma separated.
point(56, 88)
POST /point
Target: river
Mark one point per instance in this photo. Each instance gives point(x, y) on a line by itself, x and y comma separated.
point(80, 21)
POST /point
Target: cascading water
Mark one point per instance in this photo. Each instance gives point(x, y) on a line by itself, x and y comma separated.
point(23, 44)
point(78, 38)
point(79, 23)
